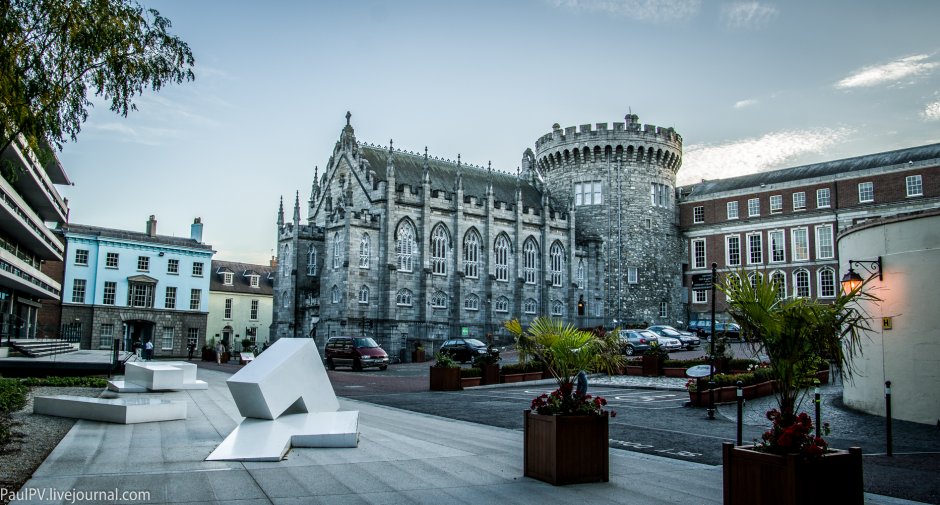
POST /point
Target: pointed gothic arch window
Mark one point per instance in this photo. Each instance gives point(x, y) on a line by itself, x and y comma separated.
point(364, 295)
point(439, 300)
point(440, 242)
point(365, 251)
point(580, 274)
point(285, 259)
point(501, 257)
point(558, 308)
point(471, 254)
point(530, 306)
point(312, 261)
point(403, 298)
point(827, 283)
point(530, 260)
point(335, 295)
point(502, 304)
point(557, 260)
point(405, 246)
point(471, 302)
point(801, 283)
point(337, 252)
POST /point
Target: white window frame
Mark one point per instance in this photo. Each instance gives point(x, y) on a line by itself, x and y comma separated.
point(501, 251)
point(751, 258)
point(195, 299)
point(405, 246)
point(799, 276)
point(227, 311)
point(753, 207)
point(866, 192)
point(530, 260)
point(439, 300)
point(78, 290)
point(732, 210)
point(729, 260)
point(663, 310)
point(192, 336)
point(365, 251)
point(914, 185)
point(471, 254)
point(106, 335)
point(404, 298)
point(580, 274)
point(81, 257)
point(698, 246)
point(778, 246)
point(501, 305)
point(143, 263)
point(558, 308)
point(254, 281)
point(699, 296)
point(471, 302)
point(776, 204)
point(111, 260)
point(825, 246)
point(800, 240)
point(198, 268)
point(823, 198)
point(312, 262)
point(530, 306)
point(633, 275)
point(826, 288)
point(173, 266)
point(440, 243)
point(557, 264)
point(799, 200)
point(364, 295)
point(169, 297)
point(698, 214)
point(337, 252)
point(228, 278)
point(166, 338)
point(109, 293)
point(335, 295)
point(254, 310)
point(780, 277)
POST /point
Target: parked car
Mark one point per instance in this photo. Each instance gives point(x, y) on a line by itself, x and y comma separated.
point(689, 341)
point(357, 352)
point(666, 342)
point(703, 328)
point(636, 341)
point(463, 349)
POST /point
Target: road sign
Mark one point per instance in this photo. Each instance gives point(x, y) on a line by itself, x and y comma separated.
point(464, 330)
point(702, 281)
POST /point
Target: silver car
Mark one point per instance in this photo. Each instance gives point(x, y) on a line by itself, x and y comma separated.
point(636, 341)
point(668, 343)
point(689, 341)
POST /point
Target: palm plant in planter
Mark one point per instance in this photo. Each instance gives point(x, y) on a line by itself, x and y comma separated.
point(445, 374)
point(791, 465)
point(566, 437)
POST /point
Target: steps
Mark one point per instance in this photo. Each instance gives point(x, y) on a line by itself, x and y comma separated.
point(35, 348)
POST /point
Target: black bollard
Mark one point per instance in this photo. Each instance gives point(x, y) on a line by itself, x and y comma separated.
point(711, 399)
point(818, 425)
point(888, 417)
point(740, 393)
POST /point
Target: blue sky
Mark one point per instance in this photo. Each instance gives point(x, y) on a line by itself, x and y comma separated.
point(750, 86)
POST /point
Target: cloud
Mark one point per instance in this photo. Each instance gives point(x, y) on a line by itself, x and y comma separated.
point(753, 155)
point(741, 104)
point(910, 66)
point(931, 112)
point(748, 15)
point(145, 135)
point(651, 11)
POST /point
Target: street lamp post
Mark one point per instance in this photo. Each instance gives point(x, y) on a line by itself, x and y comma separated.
point(711, 354)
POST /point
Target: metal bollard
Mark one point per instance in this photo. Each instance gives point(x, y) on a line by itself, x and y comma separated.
point(740, 394)
point(711, 399)
point(818, 425)
point(888, 417)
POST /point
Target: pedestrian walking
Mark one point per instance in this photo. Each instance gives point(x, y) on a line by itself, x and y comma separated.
point(219, 349)
point(148, 350)
point(192, 349)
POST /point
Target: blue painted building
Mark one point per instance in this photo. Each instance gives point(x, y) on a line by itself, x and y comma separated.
point(135, 287)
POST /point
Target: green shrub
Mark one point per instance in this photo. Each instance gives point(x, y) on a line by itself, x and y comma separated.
point(12, 396)
point(69, 382)
point(741, 363)
point(471, 372)
point(512, 368)
point(442, 360)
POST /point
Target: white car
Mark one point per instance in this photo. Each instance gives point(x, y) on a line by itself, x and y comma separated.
point(668, 343)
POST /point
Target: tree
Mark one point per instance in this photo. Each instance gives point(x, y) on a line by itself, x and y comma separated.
point(54, 54)
point(795, 332)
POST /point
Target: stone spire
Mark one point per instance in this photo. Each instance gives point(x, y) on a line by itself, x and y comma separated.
point(280, 214)
point(390, 164)
point(458, 184)
point(427, 167)
point(348, 137)
point(297, 209)
point(315, 187)
point(489, 179)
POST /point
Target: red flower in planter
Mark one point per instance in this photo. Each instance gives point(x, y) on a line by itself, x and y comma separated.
point(793, 434)
point(563, 402)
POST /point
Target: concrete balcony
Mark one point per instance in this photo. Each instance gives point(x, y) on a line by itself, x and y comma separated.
point(22, 276)
point(35, 182)
point(23, 225)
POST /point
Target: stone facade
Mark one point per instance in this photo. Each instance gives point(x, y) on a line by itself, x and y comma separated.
point(406, 247)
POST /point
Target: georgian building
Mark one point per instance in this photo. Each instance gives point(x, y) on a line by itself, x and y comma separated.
point(407, 247)
point(784, 224)
point(28, 200)
point(240, 303)
point(135, 287)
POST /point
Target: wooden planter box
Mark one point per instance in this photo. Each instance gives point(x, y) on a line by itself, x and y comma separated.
point(445, 379)
point(674, 372)
point(511, 377)
point(533, 376)
point(634, 370)
point(417, 356)
point(729, 394)
point(652, 366)
point(489, 374)
point(566, 449)
point(466, 382)
point(772, 479)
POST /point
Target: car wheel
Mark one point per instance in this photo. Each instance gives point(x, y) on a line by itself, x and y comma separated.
point(383, 367)
point(630, 350)
point(357, 365)
point(330, 364)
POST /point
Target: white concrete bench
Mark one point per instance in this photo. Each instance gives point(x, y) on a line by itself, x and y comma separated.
point(143, 376)
point(111, 410)
point(287, 399)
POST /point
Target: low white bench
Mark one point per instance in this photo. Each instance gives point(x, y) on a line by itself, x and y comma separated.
point(143, 376)
point(111, 410)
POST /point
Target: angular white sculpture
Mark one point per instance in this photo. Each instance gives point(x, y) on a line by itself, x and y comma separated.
point(111, 410)
point(143, 376)
point(287, 399)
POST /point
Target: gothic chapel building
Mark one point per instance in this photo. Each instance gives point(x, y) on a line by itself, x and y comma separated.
point(405, 247)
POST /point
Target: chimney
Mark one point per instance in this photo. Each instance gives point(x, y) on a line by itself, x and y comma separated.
point(195, 231)
point(273, 262)
point(152, 226)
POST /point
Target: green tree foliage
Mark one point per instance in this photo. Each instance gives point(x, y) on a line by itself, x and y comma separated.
point(56, 54)
point(796, 332)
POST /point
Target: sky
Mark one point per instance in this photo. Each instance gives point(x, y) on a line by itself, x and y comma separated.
point(750, 86)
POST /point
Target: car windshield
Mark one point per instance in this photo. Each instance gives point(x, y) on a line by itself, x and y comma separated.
point(647, 334)
point(474, 342)
point(364, 342)
point(669, 332)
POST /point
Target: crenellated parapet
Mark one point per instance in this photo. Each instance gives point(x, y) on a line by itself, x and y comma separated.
point(628, 142)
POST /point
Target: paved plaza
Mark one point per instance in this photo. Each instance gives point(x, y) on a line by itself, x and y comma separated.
point(403, 457)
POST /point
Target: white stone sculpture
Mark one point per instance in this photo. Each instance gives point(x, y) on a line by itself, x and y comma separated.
point(111, 410)
point(143, 376)
point(288, 401)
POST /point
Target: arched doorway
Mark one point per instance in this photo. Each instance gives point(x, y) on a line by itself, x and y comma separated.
point(227, 338)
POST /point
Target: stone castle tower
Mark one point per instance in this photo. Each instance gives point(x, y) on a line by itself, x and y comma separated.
point(622, 186)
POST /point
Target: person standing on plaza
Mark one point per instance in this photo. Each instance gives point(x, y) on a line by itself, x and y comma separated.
point(191, 348)
point(148, 350)
point(219, 349)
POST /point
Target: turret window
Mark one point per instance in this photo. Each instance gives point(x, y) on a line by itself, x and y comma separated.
point(530, 260)
point(588, 193)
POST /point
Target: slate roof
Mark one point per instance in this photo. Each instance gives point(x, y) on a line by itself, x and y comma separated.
point(133, 235)
point(828, 168)
point(409, 169)
point(241, 283)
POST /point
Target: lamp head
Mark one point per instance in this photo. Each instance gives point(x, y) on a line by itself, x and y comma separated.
point(851, 281)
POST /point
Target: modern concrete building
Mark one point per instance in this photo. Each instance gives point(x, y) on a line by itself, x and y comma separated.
point(28, 201)
point(240, 303)
point(903, 346)
point(135, 287)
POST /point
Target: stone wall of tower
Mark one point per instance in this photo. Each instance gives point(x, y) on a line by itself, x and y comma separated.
point(637, 221)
